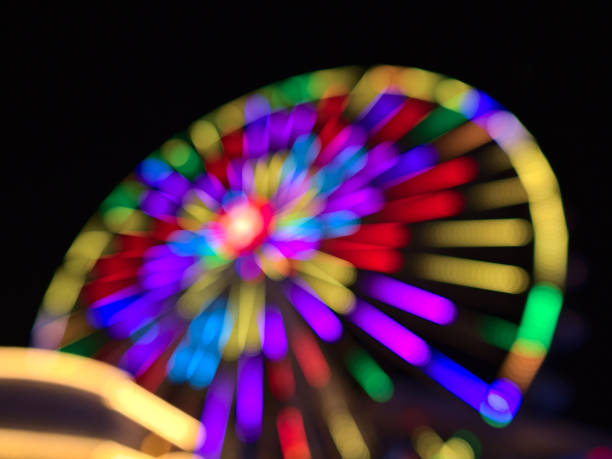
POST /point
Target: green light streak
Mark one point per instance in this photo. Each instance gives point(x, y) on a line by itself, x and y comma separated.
point(185, 160)
point(498, 332)
point(370, 376)
point(439, 121)
point(541, 314)
point(86, 346)
point(126, 195)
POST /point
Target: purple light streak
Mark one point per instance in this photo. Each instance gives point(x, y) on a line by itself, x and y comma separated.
point(280, 128)
point(316, 313)
point(256, 138)
point(249, 397)
point(410, 163)
point(210, 190)
point(391, 334)
point(150, 346)
point(302, 120)
point(174, 185)
point(157, 204)
point(275, 340)
point(363, 202)
point(383, 108)
point(411, 299)
point(216, 414)
point(348, 137)
point(378, 160)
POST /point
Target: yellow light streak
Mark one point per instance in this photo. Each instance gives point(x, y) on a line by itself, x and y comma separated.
point(332, 293)
point(261, 178)
point(456, 448)
point(449, 93)
point(205, 138)
point(24, 444)
point(328, 267)
point(252, 298)
point(546, 210)
point(341, 424)
point(195, 213)
point(155, 445)
point(538, 179)
point(68, 280)
point(62, 292)
point(418, 83)
point(230, 116)
point(493, 159)
point(426, 442)
point(429, 445)
point(371, 83)
point(274, 172)
point(77, 328)
point(202, 292)
point(460, 140)
point(112, 385)
point(509, 232)
point(472, 273)
point(332, 82)
point(493, 195)
point(89, 245)
point(245, 300)
point(346, 435)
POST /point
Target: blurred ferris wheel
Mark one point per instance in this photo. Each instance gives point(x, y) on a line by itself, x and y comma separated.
point(302, 246)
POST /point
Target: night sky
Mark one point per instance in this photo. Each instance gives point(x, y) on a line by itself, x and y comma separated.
point(105, 88)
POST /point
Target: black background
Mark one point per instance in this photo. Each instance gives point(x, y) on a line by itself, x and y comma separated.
point(105, 88)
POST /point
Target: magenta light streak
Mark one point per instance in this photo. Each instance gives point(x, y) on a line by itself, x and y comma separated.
point(363, 202)
point(275, 340)
point(316, 313)
point(215, 414)
point(249, 397)
point(408, 298)
point(389, 333)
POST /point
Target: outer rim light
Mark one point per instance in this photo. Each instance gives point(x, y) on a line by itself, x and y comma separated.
point(533, 171)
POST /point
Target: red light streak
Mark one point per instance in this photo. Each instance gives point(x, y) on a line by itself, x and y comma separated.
point(446, 175)
point(366, 256)
point(163, 228)
point(380, 234)
point(423, 207)
point(134, 243)
point(280, 378)
point(330, 108)
point(310, 359)
point(103, 287)
point(404, 120)
point(291, 434)
point(123, 264)
point(232, 144)
point(152, 378)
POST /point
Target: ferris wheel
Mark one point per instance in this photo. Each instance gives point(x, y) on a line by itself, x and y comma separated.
point(330, 230)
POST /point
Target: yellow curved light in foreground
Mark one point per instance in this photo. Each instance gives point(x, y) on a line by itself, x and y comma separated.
point(25, 444)
point(22, 444)
point(112, 385)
